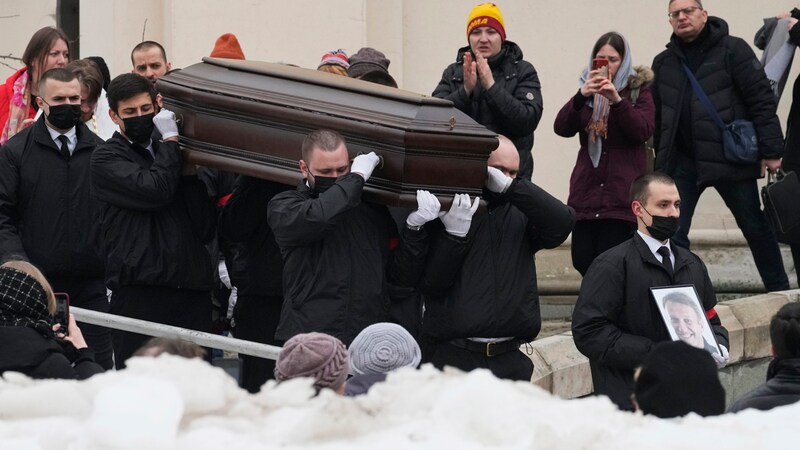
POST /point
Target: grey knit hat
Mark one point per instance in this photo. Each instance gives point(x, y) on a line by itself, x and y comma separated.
point(315, 355)
point(366, 60)
point(381, 348)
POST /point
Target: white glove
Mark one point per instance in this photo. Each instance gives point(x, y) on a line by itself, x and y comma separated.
point(365, 164)
point(497, 181)
point(723, 359)
point(428, 207)
point(458, 219)
point(166, 124)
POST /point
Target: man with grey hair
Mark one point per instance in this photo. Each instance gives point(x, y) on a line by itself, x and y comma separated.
point(688, 142)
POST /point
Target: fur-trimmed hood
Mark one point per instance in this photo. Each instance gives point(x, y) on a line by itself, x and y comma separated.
point(643, 76)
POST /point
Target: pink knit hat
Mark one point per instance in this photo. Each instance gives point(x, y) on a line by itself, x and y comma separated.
point(314, 355)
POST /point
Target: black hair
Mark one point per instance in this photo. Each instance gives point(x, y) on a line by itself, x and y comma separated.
point(126, 86)
point(101, 63)
point(57, 74)
point(148, 45)
point(640, 188)
point(613, 39)
point(784, 331)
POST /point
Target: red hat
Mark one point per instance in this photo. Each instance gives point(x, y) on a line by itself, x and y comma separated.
point(337, 57)
point(227, 46)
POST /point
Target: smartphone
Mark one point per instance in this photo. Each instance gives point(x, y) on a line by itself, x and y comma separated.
point(61, 316)
point(598, 63)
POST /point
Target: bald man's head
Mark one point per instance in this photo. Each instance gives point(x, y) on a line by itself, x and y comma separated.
point(505, 157)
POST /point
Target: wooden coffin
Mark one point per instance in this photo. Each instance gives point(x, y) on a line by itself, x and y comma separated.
point(251, 117)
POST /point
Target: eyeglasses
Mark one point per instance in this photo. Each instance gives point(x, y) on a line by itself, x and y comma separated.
point(686, 11)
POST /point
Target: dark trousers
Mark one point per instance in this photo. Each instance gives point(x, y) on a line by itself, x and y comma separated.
point(743, 200)
point(256, 318)
point(513, 365)
point(169, 306)
point(89, 293)
point(590, 238)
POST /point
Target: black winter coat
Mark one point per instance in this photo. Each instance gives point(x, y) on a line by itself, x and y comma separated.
point(251, 254)
point(782, 387)
point(155, 221)
point(616, 322)
point(47, 214)
point(512, 107)
point(338, 259)
point(735, 82)
point(485, 285)
point(23, 349)
point(791, 157)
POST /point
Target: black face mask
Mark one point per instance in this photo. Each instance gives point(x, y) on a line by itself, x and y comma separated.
point(139, 129)
point(494, 199)
point(64, 117)
point(663, 228)
point(322, 184)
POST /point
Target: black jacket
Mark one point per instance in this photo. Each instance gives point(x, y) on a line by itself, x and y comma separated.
point(782, 387)
point(47, 214)
point(512, 107)
point(791, 158)
point(616, 321)
point(251, 254)
point(737, 86)
point(154, 220)
point(485, 285)
point(24, 350)
point(337, 259)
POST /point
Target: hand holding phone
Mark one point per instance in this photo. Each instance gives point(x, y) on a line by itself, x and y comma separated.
point(61, 315)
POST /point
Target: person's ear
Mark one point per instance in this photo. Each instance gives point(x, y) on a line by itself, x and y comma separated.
point(636, 207)
point(303, 168)
point(115, 118)
point(39, 102)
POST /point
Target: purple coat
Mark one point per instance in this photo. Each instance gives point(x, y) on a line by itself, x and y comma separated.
point(602, 192)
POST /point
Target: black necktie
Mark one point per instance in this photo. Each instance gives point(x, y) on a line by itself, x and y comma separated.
point(665, 261)
point(64, 146)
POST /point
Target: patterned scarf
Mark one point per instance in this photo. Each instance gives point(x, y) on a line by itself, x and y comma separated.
point(598, 126)
point(23, 302)
point(18, 109)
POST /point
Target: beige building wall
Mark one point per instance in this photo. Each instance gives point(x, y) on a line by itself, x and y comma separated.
point(419, 36)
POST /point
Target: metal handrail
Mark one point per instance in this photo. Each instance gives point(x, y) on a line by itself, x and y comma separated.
point(168, 331)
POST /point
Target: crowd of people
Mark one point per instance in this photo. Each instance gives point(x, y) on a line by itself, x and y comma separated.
point(95, 193)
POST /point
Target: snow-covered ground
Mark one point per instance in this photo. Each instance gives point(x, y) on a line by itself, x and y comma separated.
point(173, 403)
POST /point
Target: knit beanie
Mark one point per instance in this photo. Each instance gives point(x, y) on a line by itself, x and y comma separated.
point(677, 379)
point(337, 57)
point(486, 15)
point(227, 46)
point(381, 348)
point(367, 60)
point(23, 301)
point(315, 355)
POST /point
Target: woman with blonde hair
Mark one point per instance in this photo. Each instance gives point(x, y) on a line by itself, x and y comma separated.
point(29, 342)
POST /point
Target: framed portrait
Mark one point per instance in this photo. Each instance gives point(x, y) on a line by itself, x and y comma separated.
point(685, 317)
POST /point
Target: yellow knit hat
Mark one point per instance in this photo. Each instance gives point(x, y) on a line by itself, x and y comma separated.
point(486, 15)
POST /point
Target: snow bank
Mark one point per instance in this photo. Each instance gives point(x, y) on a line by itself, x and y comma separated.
point(173, 403)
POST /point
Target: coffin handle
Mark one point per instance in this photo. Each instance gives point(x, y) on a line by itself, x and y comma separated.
point(380, 160)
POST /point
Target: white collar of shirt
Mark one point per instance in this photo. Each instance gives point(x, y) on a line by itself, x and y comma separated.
point(654, 244)
point(71, 135)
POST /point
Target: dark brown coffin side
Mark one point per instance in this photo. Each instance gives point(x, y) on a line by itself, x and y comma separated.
point(251, 117)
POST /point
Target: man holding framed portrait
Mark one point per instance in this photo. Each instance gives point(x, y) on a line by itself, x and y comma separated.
point(616, 322)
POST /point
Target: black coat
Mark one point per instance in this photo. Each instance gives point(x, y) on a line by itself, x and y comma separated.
point(485, 285)
point(616, 322)
point(47, 214)
point(155, 221)
point(338, 260)
point(791, 157)
point(782, 387)
point(737, 86)
point(251, 254)
point(512, 107)
point(24, 350)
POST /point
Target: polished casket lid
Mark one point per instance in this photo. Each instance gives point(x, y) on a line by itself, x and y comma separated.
point(251, 117)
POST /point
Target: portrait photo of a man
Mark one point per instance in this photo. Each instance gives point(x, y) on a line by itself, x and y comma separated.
point(684, 317)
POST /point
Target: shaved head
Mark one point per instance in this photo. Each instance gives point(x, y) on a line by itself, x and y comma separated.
point(505, 157)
